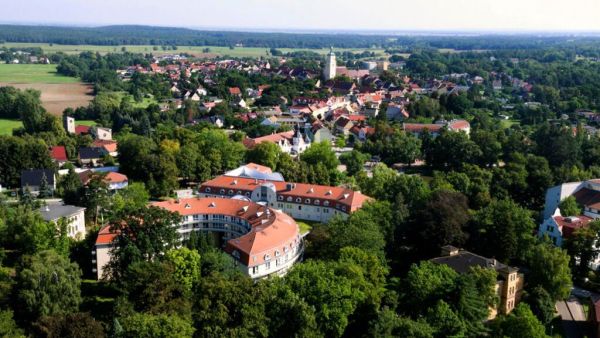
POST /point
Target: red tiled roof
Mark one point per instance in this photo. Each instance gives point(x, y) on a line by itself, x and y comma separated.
point(260, 168)
point(113, 177)
point(82, 130)
point(58, 153)
point(271, 230)
point(569, 224)
point(588, 198)
point(109, 145)
point(274, 138)
point(105, 236)
point(356, 117)
point(459, 124)
point(352, 200)
point(419, 127)
point(235, 91)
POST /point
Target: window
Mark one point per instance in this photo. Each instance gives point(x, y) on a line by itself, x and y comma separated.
point(326, 203)
point(549, 228)
point(289, 199)
point(317, 202)
point(207, 189)
point(255, 270)
point(222, 191)
point(277, 253)
point(280, 198)
point(325, 210)
point(307, 201)
point(247, 194)
point(298, 200)
point(267, 257)
point(268, 265)
point(230, 192)
point(299, 207)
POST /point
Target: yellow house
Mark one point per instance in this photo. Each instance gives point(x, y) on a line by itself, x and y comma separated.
point(509, 285)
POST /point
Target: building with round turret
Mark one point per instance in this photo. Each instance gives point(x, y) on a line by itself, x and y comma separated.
point(263, 241)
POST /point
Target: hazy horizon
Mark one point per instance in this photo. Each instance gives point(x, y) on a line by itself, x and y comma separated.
point(392, 17)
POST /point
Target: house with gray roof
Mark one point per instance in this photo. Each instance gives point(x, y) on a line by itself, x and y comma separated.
point(74, 216)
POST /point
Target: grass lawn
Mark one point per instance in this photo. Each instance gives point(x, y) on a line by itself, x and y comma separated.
point(15, 73)
point(85, 122)
point(305, 226)
point(221, 51)
point(508, 123)
point(145, 102)
point(7, 126)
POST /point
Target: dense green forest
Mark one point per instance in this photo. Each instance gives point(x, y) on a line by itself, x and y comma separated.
point(148, 35)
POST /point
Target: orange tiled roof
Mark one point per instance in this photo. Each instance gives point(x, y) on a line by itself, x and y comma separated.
point(271, 230)
point(274, 138)
point(109, 145)
point(352, 200)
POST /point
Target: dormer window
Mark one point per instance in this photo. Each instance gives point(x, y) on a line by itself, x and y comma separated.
point(247, 194)
point(328, 192)
point(187, 206)
point(307, 201)
point(207, 189)
point(267, 257)
point(212, 205)
point(317, 202)
point(311, 190)
point(230, 192)
point(280, 198)
point(298, 200)
point(222, 191)
point(289, 199)
point(326, 203)
point(277, 253)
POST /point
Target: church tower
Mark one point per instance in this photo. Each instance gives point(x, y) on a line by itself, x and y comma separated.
point(330, 66)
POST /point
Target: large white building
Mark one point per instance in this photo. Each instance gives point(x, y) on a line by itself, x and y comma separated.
point(304, 201)
point(329, 71)
point(558, 227)
point(263, 241)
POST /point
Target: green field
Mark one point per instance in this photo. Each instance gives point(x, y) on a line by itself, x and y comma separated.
point(304, 227)
point(7, 126)
point(34, 73)
point(85, 123)
point(143, 104)
point(220, 51)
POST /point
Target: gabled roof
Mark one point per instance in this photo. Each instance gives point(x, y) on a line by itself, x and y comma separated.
point(58, 153)
point(82, 130)
point(88, 153)
point(235, 91)
point(274, 138)
point(33, 177)
point(109, 145)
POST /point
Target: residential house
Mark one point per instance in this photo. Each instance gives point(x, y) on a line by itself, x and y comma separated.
point(509, 282)
point(109, 145)
point(32, 180)
point(292, 142)
point(91, 155)
point(59, 155)
point(343, 125)
point(114, 181)
point(74, 216)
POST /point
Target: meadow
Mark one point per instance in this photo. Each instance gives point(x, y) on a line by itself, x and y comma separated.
point(32, 73)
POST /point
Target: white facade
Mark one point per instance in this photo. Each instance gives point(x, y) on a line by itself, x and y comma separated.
point(75, 217)
point(329, 71)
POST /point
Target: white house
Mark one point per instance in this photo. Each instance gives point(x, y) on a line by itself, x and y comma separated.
point(75, 217)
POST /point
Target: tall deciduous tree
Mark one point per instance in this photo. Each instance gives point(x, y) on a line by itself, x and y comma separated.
point(48, 284)
point(549, 268)
point(143, 234)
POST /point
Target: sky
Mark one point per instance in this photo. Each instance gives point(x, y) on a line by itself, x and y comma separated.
point(314, 15)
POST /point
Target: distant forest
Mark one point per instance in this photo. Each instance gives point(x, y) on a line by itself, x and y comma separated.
point(147, 35)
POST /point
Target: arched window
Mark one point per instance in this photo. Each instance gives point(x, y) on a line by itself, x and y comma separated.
point(298, 200)
point(230, 192)
point(317, 202)
point(207, 189)
point(307, 201)
point(289, 199)
point(267, 257)
point(277, 253)
point(326, 203)
point(280, 198)
point(222, 191)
